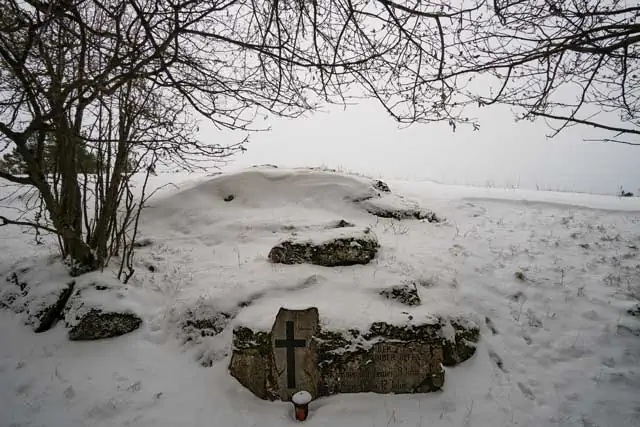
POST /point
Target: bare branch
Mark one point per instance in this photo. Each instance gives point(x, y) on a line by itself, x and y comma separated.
point(16, 179)
point(6, 221)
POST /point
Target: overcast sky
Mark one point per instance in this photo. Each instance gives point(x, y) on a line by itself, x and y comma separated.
point(502, 153)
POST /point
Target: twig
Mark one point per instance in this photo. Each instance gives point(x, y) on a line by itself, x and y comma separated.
point(6, 221)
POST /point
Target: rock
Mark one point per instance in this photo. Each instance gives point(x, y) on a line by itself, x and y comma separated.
point(336, 250)
point(406, 294)
point(252, 362)
point(381, 186)
point(341, 224)
point(100, 310)
point(39, 296)
point(49, 314)
point(199, 326)
point(142, 243)
point(295, 351)
point(199, 320)
point(396, 207)
point(387, 364)
point(364, 197)
point(229, 198)
point(96, 324)
point(401, 214)
point(208, 327)
point(461, 336)
point(386, 359)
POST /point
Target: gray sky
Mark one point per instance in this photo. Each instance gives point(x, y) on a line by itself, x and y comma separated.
point(502, 153)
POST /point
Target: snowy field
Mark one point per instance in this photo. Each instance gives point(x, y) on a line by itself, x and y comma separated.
point(552, 278)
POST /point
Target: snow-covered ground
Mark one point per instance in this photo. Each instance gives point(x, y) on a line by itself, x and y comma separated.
point(549, 276)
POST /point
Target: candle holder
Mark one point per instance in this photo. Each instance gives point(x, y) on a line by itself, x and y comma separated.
point(301, 404)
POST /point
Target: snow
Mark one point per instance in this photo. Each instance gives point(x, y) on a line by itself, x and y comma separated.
point(558, 348)
point(301, 398)
point(324, 236)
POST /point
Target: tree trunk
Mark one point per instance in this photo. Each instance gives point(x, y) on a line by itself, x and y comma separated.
point(69, 213)
point(108, 213)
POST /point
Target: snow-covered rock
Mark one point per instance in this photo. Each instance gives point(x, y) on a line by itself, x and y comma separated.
point(396, 207)
point(381, 186)
point(98, 310)
point(406, 293)
point(330, 249)
point(97, 324)
point(200, 319)
point(38, 292)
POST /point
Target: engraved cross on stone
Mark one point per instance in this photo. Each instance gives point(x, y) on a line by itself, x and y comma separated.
point(290, 343)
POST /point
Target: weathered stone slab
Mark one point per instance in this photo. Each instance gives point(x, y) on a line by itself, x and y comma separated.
point(385, 359)
point(333, 251)
point(387, 367)
point(295, 355)
point(397, 359)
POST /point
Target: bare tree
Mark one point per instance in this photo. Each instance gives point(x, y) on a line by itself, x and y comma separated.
point(90, 76)
point(571, 62)
point(69, 69)
point(100, 72)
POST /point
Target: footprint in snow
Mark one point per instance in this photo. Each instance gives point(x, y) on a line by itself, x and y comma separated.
point(105, 410)
point(526, 391)
point(533, 320)
point(497, 360)
point(591, 315)
point(69, 393)
point(24, 388)
point(490, 325)
point(518, 296)
point(609, 362)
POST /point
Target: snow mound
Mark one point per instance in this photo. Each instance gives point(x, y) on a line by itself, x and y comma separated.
point(271, 188)
point(558, 348)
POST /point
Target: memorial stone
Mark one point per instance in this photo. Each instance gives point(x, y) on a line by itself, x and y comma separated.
point(294, 351)
point(298, 355)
